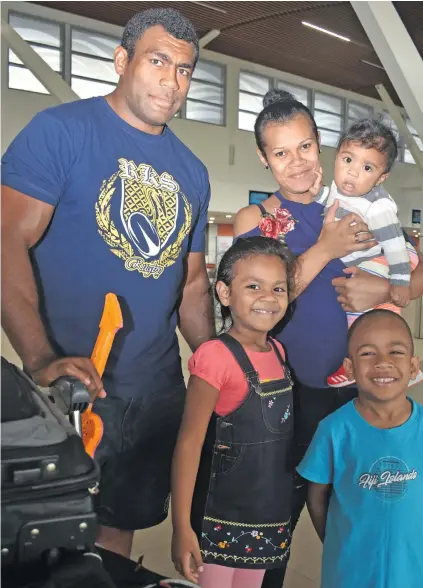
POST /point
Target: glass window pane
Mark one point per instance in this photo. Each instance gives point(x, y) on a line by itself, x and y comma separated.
point(410, 126)
point(204, 112)
point(21, 78)
point(206, 92)
point(37, 31)
point(251, 103)
point(328, 121)
point(88, 89)
point(252, 83)
point(359, 111)
point(246, 121)
point(52, 57)
point(419, 142)
point(209, 72)
point(327, 102)
point(329, 138)
point(301, 94)
point(408, 158)
point(97, 45)
point(90, 67)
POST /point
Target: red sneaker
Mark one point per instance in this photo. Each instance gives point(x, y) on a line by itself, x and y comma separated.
point(339, 379)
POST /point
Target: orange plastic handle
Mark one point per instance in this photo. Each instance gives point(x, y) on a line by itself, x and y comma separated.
point(111, 321)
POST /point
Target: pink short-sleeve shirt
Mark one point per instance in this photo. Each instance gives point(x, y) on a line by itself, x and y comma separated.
point(215, 364)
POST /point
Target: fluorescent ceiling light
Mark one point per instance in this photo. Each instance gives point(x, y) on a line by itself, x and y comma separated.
point(211, 222)
point(212, 218)
point(209, 37)
point(228, 216)
point(372, 64)
point(210, 7)
point(312, 26)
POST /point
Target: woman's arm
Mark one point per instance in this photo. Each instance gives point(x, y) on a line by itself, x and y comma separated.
point(337, 239)
point(199, 405)
point(361, 290)
point(318, 504)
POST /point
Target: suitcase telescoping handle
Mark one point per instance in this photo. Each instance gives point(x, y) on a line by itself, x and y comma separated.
point(72, 393)
point(73, 398)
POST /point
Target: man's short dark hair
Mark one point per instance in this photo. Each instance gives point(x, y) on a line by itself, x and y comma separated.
point(372, 133)
point(170, 19)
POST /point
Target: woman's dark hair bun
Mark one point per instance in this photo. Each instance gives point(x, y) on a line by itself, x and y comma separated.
point(279, 107)
point(276, 95)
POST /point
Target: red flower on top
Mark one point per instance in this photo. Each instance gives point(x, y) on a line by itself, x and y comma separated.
point(277, 225)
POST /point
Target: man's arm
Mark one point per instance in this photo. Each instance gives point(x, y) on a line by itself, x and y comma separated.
point(318, 504)
point(24, 221)
point(196, 321)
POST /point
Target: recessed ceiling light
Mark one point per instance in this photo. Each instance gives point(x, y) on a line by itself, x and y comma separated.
point(211, 222)
point(312, 26)
point(228, 216)
point(212, 218)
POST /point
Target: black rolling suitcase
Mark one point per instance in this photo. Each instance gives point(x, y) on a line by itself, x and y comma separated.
point(47, 478)
point(48, 526)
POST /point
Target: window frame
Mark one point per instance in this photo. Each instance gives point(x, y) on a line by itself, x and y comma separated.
point(183, 110)
point(71, 53)
point(241, 71)
point(309, 91)
point(61, 49)
point(342, 116)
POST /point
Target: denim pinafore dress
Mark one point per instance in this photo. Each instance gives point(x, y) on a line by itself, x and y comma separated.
point(242, 501)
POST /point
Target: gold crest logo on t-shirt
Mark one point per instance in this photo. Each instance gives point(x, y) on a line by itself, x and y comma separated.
point(151, 208)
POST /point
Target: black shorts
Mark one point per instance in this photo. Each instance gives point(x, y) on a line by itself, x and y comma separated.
point(311, 405)
point(135, 456)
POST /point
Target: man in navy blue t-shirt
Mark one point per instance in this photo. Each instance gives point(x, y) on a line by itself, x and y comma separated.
point(100, 196)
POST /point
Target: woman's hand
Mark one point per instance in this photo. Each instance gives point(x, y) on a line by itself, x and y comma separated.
point(318, 183)
point(184, 548)
point(340, 238)
point(359, 290)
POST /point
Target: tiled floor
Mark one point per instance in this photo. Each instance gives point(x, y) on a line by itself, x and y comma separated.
point(304, 565)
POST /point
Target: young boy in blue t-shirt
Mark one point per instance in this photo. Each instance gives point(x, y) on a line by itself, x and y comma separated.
point(365, 465)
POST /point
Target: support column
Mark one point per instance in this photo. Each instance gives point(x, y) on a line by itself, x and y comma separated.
point(402, 127)
point(397, 53)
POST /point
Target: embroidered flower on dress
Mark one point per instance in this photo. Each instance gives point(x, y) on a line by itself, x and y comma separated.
point(218, 528)
point(277, 225)
point(248, 549)
point(270, 404)
point(286, 414)
point(254, 533)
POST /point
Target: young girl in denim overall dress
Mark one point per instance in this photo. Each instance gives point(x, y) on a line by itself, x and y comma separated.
point(232, 475)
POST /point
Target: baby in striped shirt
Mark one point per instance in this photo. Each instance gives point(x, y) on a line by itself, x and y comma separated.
point(366, 152)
